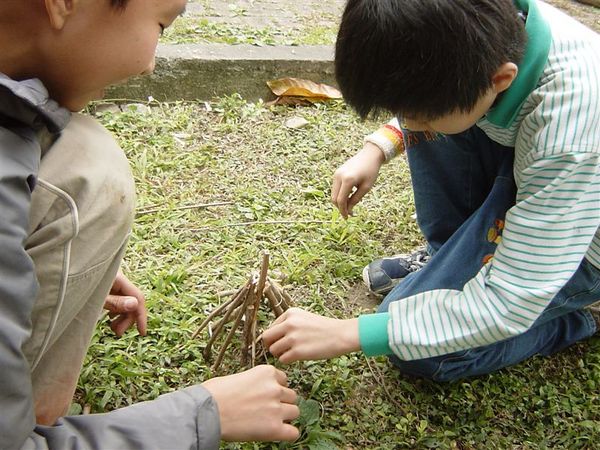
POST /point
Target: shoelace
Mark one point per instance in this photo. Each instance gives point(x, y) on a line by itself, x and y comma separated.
point(418, 259)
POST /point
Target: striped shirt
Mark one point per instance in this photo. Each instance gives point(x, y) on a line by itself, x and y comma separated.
point(554, 125)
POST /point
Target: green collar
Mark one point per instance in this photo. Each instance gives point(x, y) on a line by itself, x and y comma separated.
point(539, 39)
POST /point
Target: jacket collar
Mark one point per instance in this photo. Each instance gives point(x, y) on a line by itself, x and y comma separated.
point(539, 39)
point(28, 102)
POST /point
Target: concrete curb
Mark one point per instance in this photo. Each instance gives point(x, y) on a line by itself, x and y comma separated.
point(204, 71)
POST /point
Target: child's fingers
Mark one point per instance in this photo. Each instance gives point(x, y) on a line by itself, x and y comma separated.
point(122, 323)
point(282, 378)
point(342, 198)
point(142, 320)
point(279, 347)
point(273, 334)
point(289, 412)
point(357, 196)
point(120, 304)
point(289, 396)
point(335, 189)
point(289, 357)
point(287, 433)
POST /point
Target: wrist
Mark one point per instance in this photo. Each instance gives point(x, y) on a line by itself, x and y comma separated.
point(215, 388)
point(374, 152)
point(349, 336)
point(389, 140)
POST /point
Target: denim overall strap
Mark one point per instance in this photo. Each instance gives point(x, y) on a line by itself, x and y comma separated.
point(461, 213)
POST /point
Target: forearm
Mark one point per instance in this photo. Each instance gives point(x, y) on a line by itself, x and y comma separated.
point(349, 337)
point(186, 419)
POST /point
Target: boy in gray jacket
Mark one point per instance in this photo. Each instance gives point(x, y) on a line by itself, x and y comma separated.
point(67, 197)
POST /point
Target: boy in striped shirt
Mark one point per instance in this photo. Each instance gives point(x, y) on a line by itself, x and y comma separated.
point(499, 113)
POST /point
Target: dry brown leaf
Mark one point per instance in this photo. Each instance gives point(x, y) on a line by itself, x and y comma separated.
point(290, 101)
point(307, 89)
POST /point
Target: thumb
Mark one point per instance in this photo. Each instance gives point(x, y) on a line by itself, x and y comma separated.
point(120, 304)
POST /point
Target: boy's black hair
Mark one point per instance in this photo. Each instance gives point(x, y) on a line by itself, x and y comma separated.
point(424, 58)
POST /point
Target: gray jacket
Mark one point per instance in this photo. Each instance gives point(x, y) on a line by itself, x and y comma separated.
point(186, 419)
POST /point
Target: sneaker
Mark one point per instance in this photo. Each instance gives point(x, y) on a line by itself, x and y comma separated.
point(383, 274)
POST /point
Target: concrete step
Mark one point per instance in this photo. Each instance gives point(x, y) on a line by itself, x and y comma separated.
point(204, 71)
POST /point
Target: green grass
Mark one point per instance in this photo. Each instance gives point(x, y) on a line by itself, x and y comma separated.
point(201, 30)
point(182, 154)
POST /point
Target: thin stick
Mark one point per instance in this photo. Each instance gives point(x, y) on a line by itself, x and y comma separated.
point(227, 293)
point(235, 308)
point(217, 331)
point(249, 310)
point(105, 101)
point(260, 292)
point(273, 301)
point(153, 210)
point(263, 351)
point(380, 379)
point(206, 321)
point(262, 279)
point(264, 222)
point(287, 300)
point(253, 329)
point(231, 333)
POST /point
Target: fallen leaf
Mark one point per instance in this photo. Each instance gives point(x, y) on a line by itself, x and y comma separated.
point(305, 89)
point(296, 122)
point(289, 101)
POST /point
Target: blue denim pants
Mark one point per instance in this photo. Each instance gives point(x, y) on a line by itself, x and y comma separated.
point(463, 185)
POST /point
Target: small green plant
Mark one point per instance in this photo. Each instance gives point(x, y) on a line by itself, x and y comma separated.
point(313, 436)
point(234, 109)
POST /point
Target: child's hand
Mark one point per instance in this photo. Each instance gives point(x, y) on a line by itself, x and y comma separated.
point(126, 305)
point(300, 335)
point(255, 405)
point(358, 172)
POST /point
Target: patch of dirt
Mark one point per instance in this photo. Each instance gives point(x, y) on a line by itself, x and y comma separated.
point(586, 14)
point(359, 297)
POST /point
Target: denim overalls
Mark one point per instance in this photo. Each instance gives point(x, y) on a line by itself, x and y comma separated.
point(463, 186)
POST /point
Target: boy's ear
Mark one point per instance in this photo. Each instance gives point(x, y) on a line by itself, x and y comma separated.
point(504, 77)
point(59, 11)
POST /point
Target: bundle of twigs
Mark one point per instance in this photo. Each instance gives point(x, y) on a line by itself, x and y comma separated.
point(242, 310)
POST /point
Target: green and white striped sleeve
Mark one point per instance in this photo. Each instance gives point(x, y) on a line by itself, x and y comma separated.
point(546, 235)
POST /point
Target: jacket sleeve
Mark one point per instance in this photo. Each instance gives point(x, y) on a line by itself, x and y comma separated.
point(19, 156)
point(186, 419)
